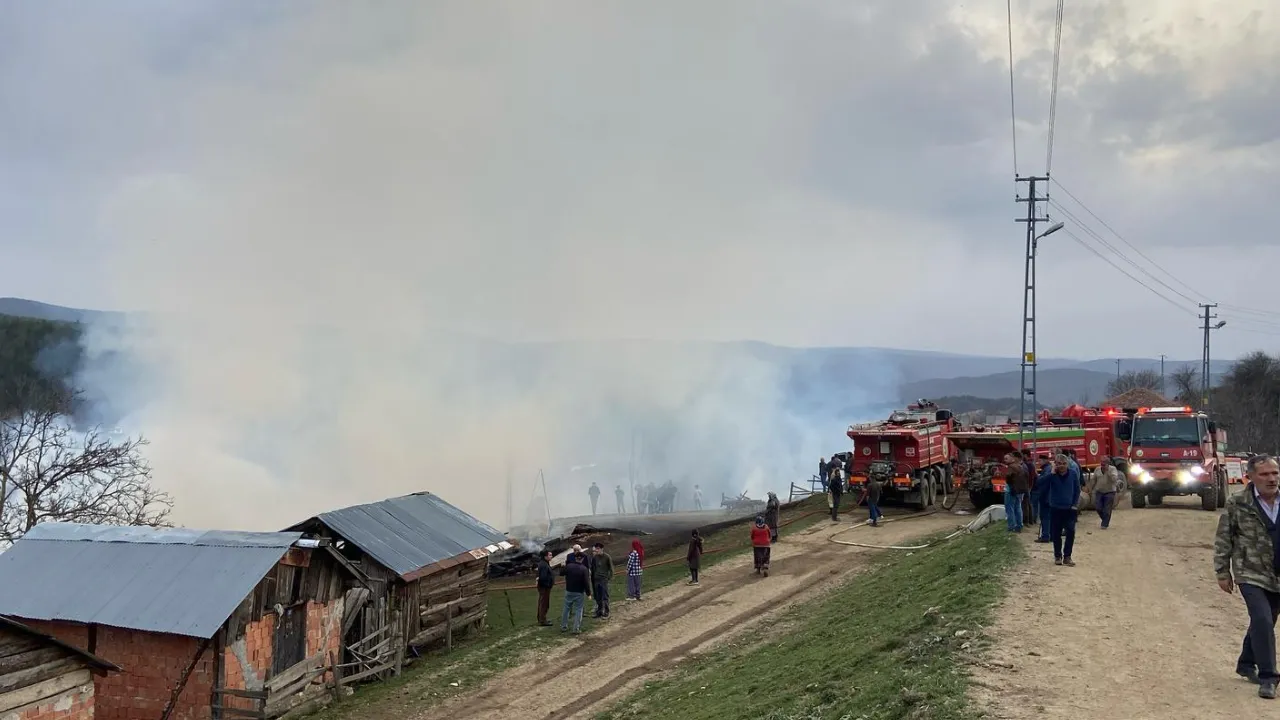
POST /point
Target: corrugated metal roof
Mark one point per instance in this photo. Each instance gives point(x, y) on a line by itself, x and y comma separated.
point(406, 534)
point(185, 582)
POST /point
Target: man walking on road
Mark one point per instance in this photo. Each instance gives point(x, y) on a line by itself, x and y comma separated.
point(622, 497)
point(835, 490)
point(1015, 491)
point(1246, 553)
point(594, 493)
point(1103, 486)
point(546, 581)
point(1062, 490)
point(601, 576)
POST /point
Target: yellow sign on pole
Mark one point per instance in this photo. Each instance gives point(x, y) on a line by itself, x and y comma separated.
point(1030, 357)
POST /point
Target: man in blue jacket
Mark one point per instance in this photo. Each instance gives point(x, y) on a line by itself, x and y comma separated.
point(1061, 485)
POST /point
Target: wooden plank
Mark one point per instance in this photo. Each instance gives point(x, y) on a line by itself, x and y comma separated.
point(234, 713)
point(44, 689)
point(296, 686)
point(15, 644)
point(39, 673)
point(367, 673)
point(30, 659)
point(246, 694)
point(437, 632)
point(288, 676)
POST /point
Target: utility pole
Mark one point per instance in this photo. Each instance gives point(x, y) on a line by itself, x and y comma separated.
point(1117, 369)
point(1029, 303)
point(1162, 390)
point(1205, 379)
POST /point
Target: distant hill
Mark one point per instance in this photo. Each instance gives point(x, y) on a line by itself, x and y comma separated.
point(817, 375)
point(1053, 387)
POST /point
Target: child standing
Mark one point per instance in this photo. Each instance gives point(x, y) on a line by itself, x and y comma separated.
point(760, 539)
point(694, 557)
point(635, 569)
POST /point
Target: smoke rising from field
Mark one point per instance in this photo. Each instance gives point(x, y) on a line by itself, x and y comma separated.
point(368, 228)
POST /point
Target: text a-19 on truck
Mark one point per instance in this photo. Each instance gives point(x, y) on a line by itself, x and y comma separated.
point(1176, 451)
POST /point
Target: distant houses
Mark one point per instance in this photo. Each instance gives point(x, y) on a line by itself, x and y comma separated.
point(203, 625)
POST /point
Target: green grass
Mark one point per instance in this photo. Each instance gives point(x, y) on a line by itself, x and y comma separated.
point(512, 633)
point(888, 644)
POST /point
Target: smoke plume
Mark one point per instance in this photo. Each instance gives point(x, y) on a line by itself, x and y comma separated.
point(384, 259)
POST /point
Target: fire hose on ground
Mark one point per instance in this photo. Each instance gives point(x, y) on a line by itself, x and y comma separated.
point(983, 519)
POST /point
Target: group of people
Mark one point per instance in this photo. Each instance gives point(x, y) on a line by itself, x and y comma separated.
point(650, 498)
point(588, 575)
point(1050, 497)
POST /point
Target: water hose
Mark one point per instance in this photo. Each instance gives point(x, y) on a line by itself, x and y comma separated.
point(983, 518)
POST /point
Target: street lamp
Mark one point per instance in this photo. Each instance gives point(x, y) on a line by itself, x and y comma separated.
point(1052, 229)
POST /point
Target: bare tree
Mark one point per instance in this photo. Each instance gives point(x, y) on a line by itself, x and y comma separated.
point(1146, 379)
point(49, 471)
point(1186, 385)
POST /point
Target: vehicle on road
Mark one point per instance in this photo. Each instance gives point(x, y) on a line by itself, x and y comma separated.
point(908, 454)
point(1177, 451)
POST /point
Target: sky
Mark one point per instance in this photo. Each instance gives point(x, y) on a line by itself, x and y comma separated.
point(802, 173)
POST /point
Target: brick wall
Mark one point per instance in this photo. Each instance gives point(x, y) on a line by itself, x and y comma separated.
point(324, 631)
point(74, 704)
point(151, 666)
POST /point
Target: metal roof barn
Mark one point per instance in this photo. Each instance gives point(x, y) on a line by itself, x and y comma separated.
point(184, 582)
point(409, 533)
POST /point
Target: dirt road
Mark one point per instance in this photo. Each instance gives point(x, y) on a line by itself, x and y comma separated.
point(673, 623)
point(1138, 629)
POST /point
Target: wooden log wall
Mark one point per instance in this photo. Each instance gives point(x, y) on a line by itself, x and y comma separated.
point(447, 603)
point(31, 671)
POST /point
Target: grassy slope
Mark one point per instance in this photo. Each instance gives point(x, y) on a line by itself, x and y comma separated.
point(512, 633)
point(889, 644)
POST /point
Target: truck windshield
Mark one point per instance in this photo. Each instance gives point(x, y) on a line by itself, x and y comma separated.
point(1170, 431)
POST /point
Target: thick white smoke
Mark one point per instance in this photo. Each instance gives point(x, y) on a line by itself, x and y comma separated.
point(363, 222)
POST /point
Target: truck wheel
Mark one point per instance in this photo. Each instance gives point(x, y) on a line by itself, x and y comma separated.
point(1154, 499)
point(923, 502)
point(1137, 498)
point(1209, 497)
point(1222, 491)
point(978, 499)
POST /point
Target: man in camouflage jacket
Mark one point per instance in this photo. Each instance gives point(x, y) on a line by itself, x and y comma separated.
point(1246, 553)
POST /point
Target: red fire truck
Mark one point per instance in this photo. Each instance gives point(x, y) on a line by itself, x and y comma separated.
point(980, 468)
point(908, 454)
point(1177, 451)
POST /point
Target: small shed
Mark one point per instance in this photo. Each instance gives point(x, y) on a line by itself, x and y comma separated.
point(43, 678)
point(427, 563)
point(203, 624)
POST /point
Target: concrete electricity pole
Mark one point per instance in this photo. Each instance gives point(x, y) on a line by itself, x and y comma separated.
point(1205, 379)
point(1162, 390)
point(1029, 301)
point(1117, 369)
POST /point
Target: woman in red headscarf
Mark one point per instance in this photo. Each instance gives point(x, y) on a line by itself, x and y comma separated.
point(635, 569)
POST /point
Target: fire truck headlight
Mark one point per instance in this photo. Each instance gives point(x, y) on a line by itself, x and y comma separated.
point(1145, 478)
point(1183, 476)
point(1197, 471)
point(1135, 469)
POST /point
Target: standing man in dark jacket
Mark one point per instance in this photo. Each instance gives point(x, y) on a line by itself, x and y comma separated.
point(601, 576)
point(1246, 553)
point(835, 488)
point(594, 493)
point(772, 509)
point(822, 473)
point(546, 581)
point(577, 588)
point(1015, 491)
point(873, 501)
point(1061, 488)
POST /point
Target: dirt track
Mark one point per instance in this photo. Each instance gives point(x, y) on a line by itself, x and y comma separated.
point(673, 623)
point(1138, 629)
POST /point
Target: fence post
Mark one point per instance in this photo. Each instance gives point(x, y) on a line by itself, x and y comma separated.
point(510, 611)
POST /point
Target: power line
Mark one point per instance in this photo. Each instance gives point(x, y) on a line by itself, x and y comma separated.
point(1084, 226)
point(1013, 109)
point(1127, 274)
point(1053, 89)
point(1120, 237)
